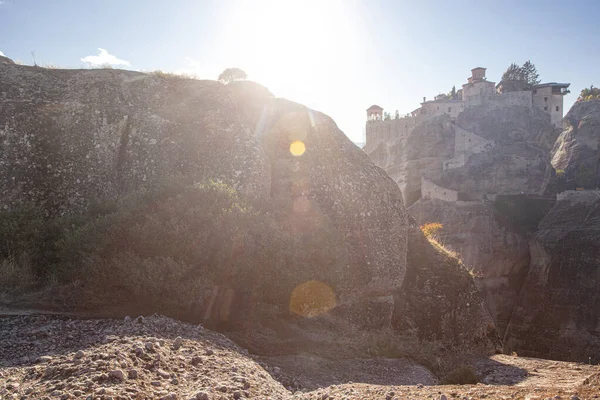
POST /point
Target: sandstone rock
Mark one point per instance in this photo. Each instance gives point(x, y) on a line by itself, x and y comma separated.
point(202, 396)
point(497, 252)
point(117, 374)
point(439, 301)
point(558, 314)
point(79, 354)
point(6, 60)
point(177, 343)
point(130, 131)
point(576, 153)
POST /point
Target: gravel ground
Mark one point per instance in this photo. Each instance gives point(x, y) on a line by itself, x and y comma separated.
point(51, 357)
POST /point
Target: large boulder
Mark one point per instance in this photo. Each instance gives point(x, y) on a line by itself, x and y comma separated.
point(559, 311)
point(576, 154)
point(73, 138)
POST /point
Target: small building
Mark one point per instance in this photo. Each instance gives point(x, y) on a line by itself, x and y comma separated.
point(477, 87)
point(374, 113)
point(549, 98)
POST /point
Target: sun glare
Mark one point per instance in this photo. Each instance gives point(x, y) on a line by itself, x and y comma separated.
point(291, 42)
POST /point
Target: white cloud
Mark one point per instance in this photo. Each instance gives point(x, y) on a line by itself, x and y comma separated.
point(104, 58)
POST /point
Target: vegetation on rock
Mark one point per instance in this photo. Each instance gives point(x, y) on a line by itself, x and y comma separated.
point(588, 94)
point(232, 74)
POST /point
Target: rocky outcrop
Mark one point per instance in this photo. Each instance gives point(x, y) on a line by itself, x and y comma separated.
point(497, 253)
point(518, 162)
point(6, 60)
point(576, 154)
point(559, 310)
point(73, 138)
point(439, 300)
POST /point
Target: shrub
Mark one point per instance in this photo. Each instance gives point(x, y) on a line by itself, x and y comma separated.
point(462, 375)
point(16, 275)
point(171, 75)
point(181, 240)
point(589, 94)
point(431, 229)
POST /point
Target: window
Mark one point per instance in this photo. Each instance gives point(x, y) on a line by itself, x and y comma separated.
point(546, 99)
point(449, 109)
point(557, 108)
point(534, 91)
point(546, 108)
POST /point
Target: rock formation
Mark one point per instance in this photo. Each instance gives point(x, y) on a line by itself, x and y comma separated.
point(439, 300)
point(559, 309)
point(6, 60)
point(72, 138)
point(487, 177)
point(576, 154)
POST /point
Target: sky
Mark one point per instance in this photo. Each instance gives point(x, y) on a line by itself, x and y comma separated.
point(336, 56)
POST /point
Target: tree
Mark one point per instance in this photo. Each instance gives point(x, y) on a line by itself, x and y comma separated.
point(530, 73)
point(517, 78)
point(387, 116)
point(452, 93)
point(232, 74)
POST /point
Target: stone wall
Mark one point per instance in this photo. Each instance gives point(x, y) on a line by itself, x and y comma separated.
point(388, 131)
point(466, 142)
point(430, 190)
point(436, 108)
point(523, 98)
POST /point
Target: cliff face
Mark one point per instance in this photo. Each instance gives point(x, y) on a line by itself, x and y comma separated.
point(559, 310)
point(439, 300)
point(498, 254)
point(515, 161)
point(576, 153)
point(493, 193)
point(71, 139)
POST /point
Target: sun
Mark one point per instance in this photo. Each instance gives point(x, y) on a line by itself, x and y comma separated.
point(291, 41)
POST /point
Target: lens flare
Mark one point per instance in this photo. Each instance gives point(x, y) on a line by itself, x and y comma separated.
point(312, 298)
point(297, 148)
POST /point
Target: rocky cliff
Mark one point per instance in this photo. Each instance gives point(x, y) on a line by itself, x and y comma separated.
point(487, 177)
point(576, 154)
point(558, 315)
point(439, 300)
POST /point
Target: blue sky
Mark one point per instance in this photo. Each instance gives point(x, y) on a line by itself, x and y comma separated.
point(337, 56)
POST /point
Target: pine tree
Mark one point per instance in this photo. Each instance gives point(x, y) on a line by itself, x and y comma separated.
point(517, 77)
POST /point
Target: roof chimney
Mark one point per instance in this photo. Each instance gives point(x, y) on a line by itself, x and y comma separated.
point(424, 99)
